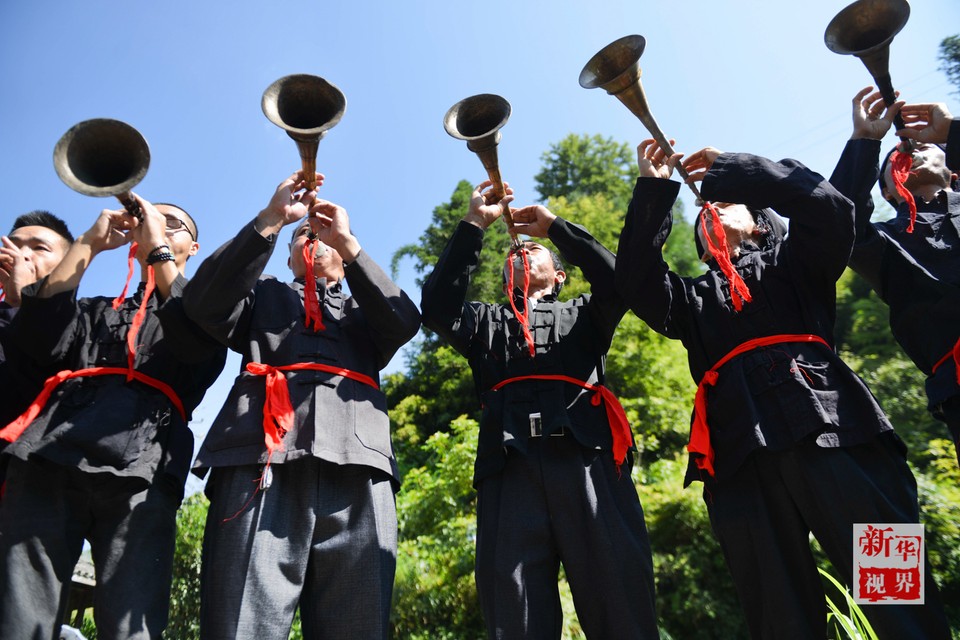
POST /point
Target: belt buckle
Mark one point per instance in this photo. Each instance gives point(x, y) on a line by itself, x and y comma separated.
point(536, 425)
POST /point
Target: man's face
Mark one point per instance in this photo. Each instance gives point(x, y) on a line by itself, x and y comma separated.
point(180, 234)
point(42, 249)
point(929, 166)
point(327, 263)
point(738, 225)
point(543, 272)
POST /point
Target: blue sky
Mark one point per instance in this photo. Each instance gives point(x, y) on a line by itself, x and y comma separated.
point(740, 75)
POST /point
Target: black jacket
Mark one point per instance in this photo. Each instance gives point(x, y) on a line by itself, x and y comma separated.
point(336, 419)
point(774, 396)
point(571, 338)
point(917, 274)
point(105, 424)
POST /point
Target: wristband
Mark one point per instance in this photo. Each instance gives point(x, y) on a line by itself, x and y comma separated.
point(164, 256)
point(158, 248)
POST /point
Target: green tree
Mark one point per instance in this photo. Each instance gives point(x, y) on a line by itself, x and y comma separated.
point(184, 622)
point(950, 59)
point(582, 165)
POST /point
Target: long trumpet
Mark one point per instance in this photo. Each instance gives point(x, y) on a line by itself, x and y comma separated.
point(616, 69)
point(865, 29)
point(306, 107)
point(478, 120)
point(103, 157)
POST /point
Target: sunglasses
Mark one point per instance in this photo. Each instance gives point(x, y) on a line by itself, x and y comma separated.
point(174, 224)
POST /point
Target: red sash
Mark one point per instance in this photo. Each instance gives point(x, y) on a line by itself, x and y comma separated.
point(13, 430)
point(955, 355)
point(277, 409)
point(699, 431)
point(616, 417)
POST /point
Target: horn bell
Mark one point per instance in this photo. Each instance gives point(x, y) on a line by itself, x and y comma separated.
point(478, 120)
point(101, 157)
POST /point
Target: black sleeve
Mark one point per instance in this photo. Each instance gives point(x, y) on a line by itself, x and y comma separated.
point(392, 317)
point(821, 218)
point(220, 296)
point(654, 293)
point(443, 303)
point(597, 263)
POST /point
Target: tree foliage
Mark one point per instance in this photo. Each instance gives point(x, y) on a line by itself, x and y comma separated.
point(582, 165)
point(950, 59)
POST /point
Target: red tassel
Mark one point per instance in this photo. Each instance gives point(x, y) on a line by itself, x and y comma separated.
point(739, 292)
point(311, 302)
point(522, 318)
point(137, 322)
point(900, 165)
point(126, 285)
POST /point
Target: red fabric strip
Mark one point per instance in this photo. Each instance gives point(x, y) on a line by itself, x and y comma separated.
point(900, 165)
point(952, 354)
point(311, 303)
point(126, 285)
point(278, 411)
point(616, 416)
point(137, 322)
point(699, 444)
point(13, 430)
point(522, 318)
point(739, 292)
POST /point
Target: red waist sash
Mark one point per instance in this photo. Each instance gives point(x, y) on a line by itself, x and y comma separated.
point(616, 417)
point(277, 408)
point(955, 355)
point(13, 430)
point(699, 431)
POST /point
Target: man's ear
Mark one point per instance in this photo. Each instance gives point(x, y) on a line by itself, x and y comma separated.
point(561, 277)
point(194, 249)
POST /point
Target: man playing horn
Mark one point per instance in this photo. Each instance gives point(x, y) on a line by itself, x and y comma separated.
point(912, 261)
point(103, 452)
point(34, 247)
point(303, 474)
point(786, 439)
point(555, 449)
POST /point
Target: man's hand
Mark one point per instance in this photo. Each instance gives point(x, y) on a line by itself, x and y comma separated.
point(872, 118)
point(533, 220)
point(332, 225)
point(151, 229)
point(653, 161)
point(110, 230)
point(929, 122)
point(700, 163)
point(290, 202)
point(15, 273)
point(484, 207)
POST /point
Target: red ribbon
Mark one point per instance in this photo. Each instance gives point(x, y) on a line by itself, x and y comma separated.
point(952, 354)
point(900, 165)
point(616, 416)
point(522, 318)
point(700, 432)
point(721, 253)
point(13, 430)
point(311, 303)
point(126, 285)
point(277, 409)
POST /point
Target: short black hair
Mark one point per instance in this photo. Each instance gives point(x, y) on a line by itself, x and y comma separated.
point(190, 221)
point(41, 218)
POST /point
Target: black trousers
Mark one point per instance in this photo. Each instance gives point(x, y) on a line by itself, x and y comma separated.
point(563, 503)
point(764, 515)
point(45, 515)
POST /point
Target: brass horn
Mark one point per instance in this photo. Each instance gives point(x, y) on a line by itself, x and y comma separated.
point(304, 106)
point(616, 69)
point(865, 29)
point(478, 120)
point(103, 157)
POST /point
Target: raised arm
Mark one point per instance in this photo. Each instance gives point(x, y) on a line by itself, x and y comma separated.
point(443, 303)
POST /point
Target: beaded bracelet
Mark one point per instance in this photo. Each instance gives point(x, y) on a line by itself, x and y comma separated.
point(154, 258)
point(158, 248)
